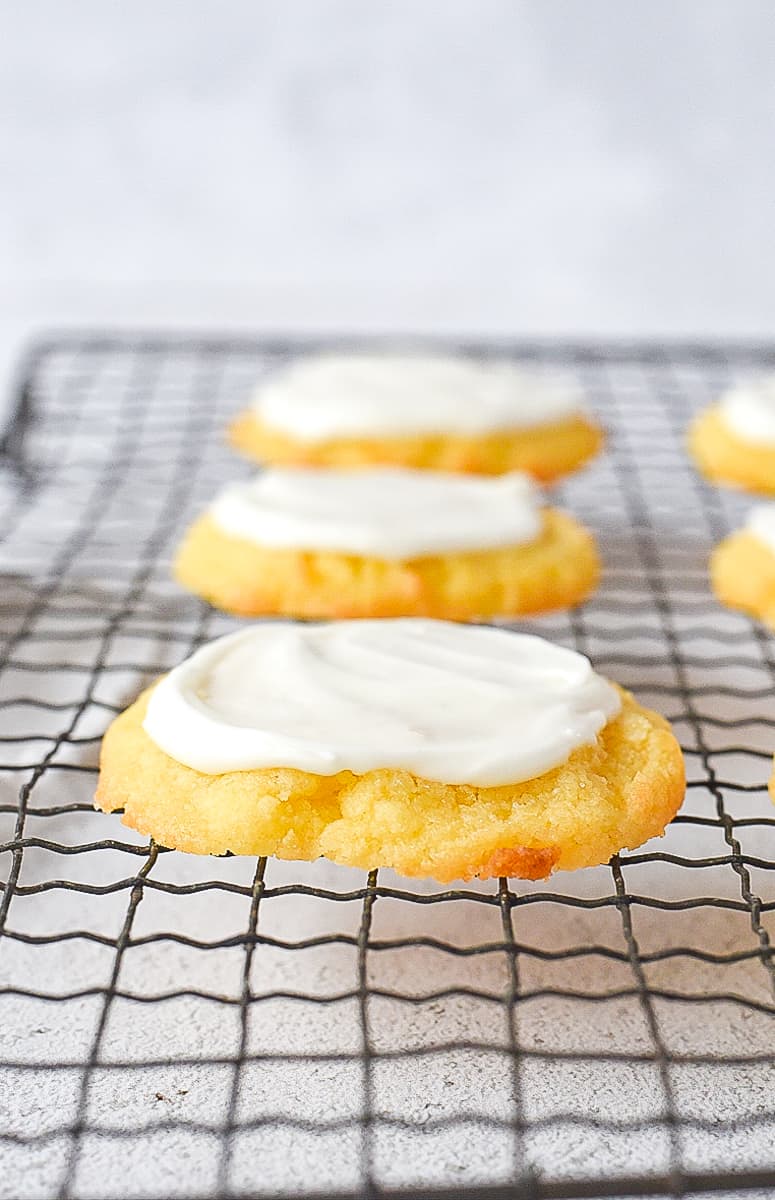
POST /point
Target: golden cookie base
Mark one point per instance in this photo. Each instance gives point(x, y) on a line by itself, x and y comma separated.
point(560, 569)
point(617, 793)
point(724, 458)
point(546, 453)
point(743, 576)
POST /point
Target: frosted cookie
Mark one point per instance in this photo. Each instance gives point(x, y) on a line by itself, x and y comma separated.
point(734, 441)
point(743, 566)
point(386, 542)
point(431, 747)
point(445, 414)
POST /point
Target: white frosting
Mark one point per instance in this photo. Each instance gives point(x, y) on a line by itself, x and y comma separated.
point(761, 523)
point(453, 703)
point(749, 411)
point(376, 395)
point(389, 514)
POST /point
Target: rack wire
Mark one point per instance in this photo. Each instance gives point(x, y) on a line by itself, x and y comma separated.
point(171, 1025)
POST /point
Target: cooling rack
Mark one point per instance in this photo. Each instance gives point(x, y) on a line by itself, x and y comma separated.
point(179, 1026)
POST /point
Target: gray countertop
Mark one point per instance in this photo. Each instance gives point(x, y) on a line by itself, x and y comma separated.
point(643, 1010)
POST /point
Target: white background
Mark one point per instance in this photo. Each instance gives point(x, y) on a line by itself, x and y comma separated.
point(486, 166)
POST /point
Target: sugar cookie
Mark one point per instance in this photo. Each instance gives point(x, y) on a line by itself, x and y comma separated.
point(734, 441)
point(743, 566)
point(434, 748)
point(386, 542)
point(449, 414)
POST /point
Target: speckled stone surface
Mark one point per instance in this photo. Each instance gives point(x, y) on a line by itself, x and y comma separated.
point(126, 448)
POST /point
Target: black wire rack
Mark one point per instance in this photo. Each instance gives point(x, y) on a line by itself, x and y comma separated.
point(173, 1025)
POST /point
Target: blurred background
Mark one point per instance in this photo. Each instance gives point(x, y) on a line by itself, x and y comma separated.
point(493, 167)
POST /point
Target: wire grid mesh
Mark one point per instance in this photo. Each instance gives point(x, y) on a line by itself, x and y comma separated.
point(171, 1025)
